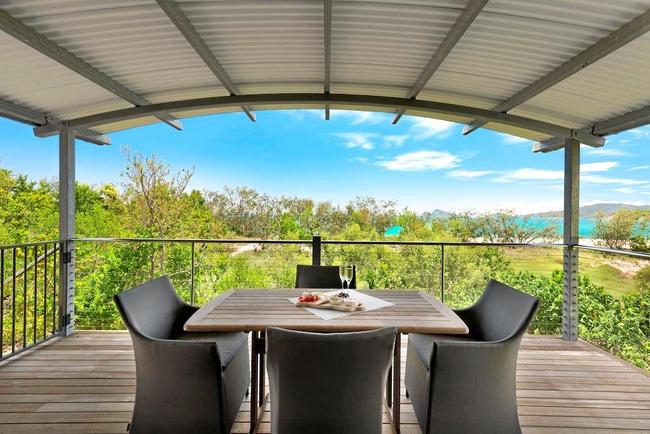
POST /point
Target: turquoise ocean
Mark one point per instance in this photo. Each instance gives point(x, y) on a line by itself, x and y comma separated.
point(587, 225)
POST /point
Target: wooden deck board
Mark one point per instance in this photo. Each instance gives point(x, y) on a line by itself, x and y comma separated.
point(86, 383)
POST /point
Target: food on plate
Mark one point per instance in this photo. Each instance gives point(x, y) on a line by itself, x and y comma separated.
point(343, 294)
point(350, 302)
point(335, 299)
point(308, 297)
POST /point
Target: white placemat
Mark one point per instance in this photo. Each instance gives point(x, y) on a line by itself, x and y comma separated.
point(370, 303)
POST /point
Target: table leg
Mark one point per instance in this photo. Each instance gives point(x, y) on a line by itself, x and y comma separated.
point(396, 381)
point(262, 371)
point(254, 378)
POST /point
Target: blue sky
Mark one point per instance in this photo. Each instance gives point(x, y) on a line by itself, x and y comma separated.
point(423, 164)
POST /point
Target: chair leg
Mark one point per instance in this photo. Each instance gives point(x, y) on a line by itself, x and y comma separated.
point(407, 393)
point(389, 387)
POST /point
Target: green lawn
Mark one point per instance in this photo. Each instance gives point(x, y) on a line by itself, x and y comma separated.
point(594, 264)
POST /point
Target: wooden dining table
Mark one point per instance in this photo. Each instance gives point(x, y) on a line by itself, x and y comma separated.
point(253, 310)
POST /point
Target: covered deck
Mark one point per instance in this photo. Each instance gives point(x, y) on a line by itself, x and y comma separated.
point(86, 383)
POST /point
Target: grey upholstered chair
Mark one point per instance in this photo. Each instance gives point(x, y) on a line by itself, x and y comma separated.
point(466, 384)
point(321, 276)
point(328, 383)
point(185, 382)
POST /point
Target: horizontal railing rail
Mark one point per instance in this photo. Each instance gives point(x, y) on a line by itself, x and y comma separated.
point(623, 252)
point(311, 241)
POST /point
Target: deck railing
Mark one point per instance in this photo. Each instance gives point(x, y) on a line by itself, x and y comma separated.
point(29, 313)
point(318, 248)
point(200, 268)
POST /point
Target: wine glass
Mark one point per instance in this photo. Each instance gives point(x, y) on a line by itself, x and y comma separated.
point(348, 274)
point(342, 274)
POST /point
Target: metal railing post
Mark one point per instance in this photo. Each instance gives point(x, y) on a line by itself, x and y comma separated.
point(315, 249)
point(442, 273)
point(192, 268)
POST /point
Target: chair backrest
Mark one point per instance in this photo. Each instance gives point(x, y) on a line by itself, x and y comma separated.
point(501, 312)
point(325, 383)
point(152, 309)
point(322, 276)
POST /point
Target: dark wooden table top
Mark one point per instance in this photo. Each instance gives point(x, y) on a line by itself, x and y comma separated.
point(257, 309)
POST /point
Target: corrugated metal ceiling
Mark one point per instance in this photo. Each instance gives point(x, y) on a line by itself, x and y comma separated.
point(378, 48)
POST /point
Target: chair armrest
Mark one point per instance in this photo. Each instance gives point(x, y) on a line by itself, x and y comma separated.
point(475, 358)
point(179, 357)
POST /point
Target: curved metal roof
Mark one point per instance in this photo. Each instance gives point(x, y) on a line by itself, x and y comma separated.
point(558, 68)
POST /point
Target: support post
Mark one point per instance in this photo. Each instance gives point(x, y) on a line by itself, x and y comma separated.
point(66, 229)
point(315, 249)
point(571, 238)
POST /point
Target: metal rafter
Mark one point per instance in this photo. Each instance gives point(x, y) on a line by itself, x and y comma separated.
point(633, 119)
point(183, 24)
point(624, 122)
point(32, 38)
point(466, 18)
point(34, 118)
point(343, 100)
point(327, 49)
point(615, 40)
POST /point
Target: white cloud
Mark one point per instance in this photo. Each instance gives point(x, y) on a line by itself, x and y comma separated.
point(362, 160)
point(641, 132)
point(599, 179)
point(624, 190)
point(420, 161)
point(605, 152)
point(424, 128)
point(370, 141)
point(513, 140)
point(360, 117)
point(639, 168)
point(391, 140)
point(602, 166)
point(357, 140)
point(530, 174)
point(469, 174)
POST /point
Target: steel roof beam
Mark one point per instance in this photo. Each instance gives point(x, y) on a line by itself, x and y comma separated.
point(633, 119)
point(31, 117)
point(627, 121)
point(615, 40)
point(466, 18)
point(21, 114)
point(32, 38)
point(556, 143)
point(344, 100)
point(327, 49)
point(183, 24)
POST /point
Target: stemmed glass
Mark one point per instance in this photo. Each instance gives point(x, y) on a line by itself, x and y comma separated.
point(346, 273)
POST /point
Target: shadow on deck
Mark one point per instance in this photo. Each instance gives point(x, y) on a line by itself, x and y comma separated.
point(85, 383)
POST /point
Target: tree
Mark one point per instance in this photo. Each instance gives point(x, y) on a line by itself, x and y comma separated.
point(154, 198)
point(615, 231)
point(503, 226)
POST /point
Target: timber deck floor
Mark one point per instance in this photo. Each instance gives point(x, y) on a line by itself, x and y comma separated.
point(86, 383)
